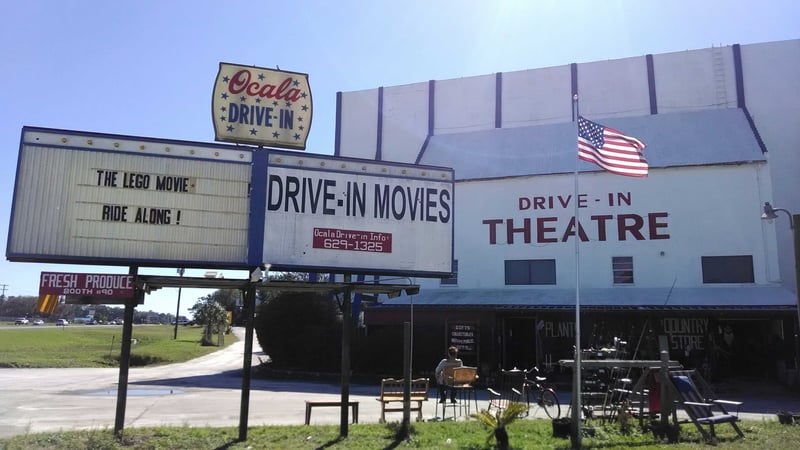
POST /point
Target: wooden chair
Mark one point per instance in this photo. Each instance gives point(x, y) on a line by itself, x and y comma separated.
point(462, 380)
point(703, 410)
point(447, 384)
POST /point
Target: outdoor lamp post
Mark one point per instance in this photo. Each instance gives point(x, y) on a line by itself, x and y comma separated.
point(178, 311)
point(770, 214)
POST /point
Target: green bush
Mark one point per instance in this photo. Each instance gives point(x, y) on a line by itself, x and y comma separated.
point(300, 331)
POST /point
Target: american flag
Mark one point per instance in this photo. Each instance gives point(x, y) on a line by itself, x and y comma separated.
point(610, 149)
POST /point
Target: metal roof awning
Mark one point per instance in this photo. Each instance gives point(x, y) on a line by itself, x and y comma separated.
point(150, 283)
point(744, 298)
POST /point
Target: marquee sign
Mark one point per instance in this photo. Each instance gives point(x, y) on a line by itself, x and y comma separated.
point(265, 107)
point(371, 216)
point(115, 200)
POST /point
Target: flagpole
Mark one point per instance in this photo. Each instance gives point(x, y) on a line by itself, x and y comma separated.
point(576, 371)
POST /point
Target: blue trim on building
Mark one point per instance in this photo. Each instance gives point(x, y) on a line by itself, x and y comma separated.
point(737, 68)
point(740, 98)
point(651, 84)
point(379, 131)
point(337, 133)
point(498, 100)
point(431, 106)
point(431, 124)
point(573, 72)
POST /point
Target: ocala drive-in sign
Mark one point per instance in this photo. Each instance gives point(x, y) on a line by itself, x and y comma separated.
point(86, 284)
point(253, 105)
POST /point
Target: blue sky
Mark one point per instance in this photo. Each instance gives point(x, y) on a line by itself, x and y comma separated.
point(147, 68)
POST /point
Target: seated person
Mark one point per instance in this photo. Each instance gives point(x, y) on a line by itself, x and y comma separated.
point(451, 361)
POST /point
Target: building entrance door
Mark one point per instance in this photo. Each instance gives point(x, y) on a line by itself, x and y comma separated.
point(520, 348)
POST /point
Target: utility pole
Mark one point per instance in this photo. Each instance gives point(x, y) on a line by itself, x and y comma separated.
point(3, 287)
point(178, 312)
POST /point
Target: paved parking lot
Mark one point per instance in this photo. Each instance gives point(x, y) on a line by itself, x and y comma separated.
point(207, 391)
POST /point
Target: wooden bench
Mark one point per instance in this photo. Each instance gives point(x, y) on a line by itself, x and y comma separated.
point(392, 392)
point(310, 404)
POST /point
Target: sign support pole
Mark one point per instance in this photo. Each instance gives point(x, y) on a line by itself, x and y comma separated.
point(125, 356)
point(178, 311)
point(347, 326)
point(249, 309)
point(407, 375)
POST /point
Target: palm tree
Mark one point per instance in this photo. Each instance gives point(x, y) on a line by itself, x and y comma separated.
point(499, 421)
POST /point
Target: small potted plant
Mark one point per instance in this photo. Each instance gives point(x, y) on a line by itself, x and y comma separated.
point(499, 421)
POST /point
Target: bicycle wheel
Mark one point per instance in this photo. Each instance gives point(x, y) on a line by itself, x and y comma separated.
point(549, 402)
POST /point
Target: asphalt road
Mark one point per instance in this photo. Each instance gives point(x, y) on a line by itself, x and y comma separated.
point(207, 392)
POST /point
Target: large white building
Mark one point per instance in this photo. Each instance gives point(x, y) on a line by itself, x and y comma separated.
point(681, 256)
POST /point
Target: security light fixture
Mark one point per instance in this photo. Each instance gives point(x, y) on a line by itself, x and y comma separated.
point(770, 213)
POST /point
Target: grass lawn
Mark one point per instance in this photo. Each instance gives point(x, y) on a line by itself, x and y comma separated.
point(99, 346)
point(523, 434)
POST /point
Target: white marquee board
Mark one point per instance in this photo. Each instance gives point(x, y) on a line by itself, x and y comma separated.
point(357, 215)
point(107, 199)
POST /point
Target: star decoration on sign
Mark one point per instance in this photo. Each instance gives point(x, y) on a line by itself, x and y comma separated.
point(224, 95)
point(261, 76)
point(275, 134)
point(230, 128)
point(253, 131)
point(225, 78)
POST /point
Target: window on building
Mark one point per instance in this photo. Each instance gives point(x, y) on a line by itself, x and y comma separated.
point(454, 278)
point(531, 271)
point(728, 269)
point(622, 266)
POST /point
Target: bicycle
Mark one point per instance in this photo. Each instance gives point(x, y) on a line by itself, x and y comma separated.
point(546, 397)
